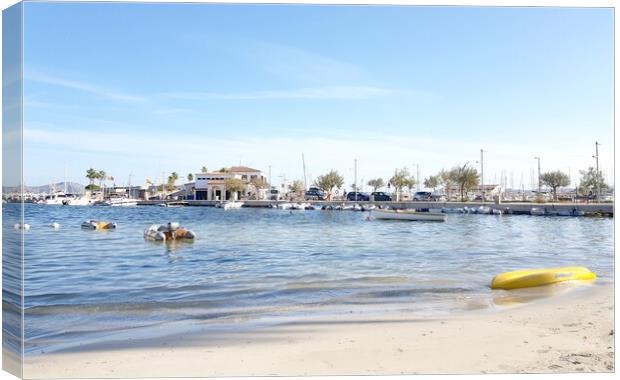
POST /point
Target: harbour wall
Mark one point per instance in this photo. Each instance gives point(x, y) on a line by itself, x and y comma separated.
point(515, 207)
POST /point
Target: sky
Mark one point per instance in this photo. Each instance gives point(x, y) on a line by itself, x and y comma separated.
point(141, 90)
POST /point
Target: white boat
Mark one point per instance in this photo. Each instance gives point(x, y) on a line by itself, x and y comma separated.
point(537, 211)
point(168, 232)
point(80, 201)
point(58, 198)
point(496, 211)
point(284, 206)
point(408, 215)
point(229, 205)
point(122, 202)
point(298, 206)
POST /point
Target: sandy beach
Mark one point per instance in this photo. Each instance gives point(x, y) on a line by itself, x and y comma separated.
point(570, 332)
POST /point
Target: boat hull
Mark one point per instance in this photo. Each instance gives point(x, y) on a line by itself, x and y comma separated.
point(408, 215)
point(537, 277)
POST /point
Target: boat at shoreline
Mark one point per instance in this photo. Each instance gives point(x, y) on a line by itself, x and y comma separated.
point(408, 215)
point(229, 205)
point(117, 202)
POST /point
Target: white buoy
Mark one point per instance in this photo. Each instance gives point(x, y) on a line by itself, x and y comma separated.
point(19, 226)
point(55, 226)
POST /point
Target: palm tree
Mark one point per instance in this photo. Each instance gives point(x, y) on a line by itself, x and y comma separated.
point(204, 169)
point(465, 177)
point(101, 175)
point(190, 177)
point(445, 178)
point(92, 175)
point(172, 178)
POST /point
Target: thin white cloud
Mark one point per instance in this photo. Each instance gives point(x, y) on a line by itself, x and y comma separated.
point(329, 92)
point(84, 87)
point(378, 155)
point(293, 63)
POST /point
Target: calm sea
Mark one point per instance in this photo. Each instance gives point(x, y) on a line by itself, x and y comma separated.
point(252, 266)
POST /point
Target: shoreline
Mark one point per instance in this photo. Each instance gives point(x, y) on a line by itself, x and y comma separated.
point(569, 332)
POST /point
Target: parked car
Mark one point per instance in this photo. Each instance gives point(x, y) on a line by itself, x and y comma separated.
point(274, 195)
point(423, 196)
point(357, 196)
point(315, 194)
point(380, 196)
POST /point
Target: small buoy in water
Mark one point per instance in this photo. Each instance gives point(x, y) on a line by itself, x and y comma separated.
point(55, 226)
point(19, 226)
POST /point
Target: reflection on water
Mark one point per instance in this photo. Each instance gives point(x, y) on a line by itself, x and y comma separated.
point(258, 263)
point(517, 297)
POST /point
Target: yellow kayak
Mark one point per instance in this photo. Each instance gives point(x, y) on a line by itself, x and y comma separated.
point(528, 278)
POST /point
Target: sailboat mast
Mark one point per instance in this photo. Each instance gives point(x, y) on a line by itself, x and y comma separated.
point(303, 162)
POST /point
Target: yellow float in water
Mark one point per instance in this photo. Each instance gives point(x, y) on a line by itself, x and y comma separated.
point(528, 278)
point(98, 225)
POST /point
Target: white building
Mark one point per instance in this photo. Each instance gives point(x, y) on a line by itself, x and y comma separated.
point(212, 186)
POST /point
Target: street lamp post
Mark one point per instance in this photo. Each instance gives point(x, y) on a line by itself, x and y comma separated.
point(538, 159)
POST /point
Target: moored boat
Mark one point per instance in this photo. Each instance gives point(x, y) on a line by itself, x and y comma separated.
point(408, 215)
point(168, 232)
point(229, 205)
point(98, 225)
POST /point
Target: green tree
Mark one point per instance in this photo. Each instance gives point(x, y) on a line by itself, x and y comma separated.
point(400, 180)
point(297, 187)
point(410, 183)
point(204, 169)
point(101, 176)
point(446, 180)
point(234, 185)
point(190, 177)
point(432, 182)
point(465, 177)
point(328, 181)
point(259, 183)
point(591, 181)
point(92, 175)
point(554, 180)
point(172, 178)
point(376, 183)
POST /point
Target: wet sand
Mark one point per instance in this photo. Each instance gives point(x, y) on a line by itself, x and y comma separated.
point(569, 332)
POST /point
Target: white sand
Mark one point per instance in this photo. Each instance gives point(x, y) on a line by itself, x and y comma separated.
point(566, 333)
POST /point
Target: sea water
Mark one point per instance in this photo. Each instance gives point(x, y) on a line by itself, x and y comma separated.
point(251, 266)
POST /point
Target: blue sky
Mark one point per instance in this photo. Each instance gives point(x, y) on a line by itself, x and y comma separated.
point(146, 89)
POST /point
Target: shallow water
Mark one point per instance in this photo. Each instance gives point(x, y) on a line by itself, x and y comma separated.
point(252, 265)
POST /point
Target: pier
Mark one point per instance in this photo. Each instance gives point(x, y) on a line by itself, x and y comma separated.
point(514, 207)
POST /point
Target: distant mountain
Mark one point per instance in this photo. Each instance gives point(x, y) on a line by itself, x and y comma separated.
point(72, 188)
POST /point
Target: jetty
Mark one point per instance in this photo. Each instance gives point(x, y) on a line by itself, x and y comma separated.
point(606, 209)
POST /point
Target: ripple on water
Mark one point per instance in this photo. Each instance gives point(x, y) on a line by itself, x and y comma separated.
point(254, 262)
